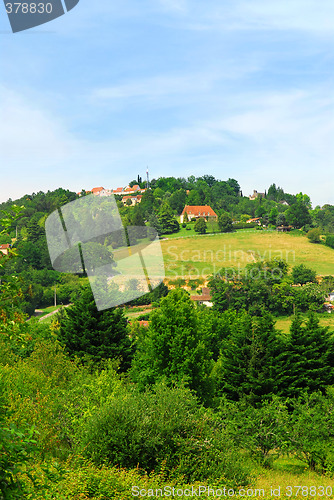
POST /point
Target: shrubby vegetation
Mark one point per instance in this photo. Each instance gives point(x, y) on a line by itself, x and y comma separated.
point(90, 405)
point(267, 285)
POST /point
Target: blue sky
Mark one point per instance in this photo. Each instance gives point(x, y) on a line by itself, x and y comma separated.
point(240, 89)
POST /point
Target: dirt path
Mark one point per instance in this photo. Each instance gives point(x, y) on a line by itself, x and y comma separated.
point(51, 313)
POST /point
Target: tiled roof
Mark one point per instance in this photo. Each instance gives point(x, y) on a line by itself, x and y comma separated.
point(97, 190)
point(253, 220)
point(205, 297)
point(197, 210)
point(144, 323)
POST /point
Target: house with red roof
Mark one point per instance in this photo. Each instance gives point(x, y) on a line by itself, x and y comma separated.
point(204, 299)
point(134, 199)
point(5, 248)
point(133, 189)
point(198, 212)
point(256, 219)
point(101, 191)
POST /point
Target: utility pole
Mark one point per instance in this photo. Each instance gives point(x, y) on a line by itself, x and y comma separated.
point(55, 295)
point(147, 179)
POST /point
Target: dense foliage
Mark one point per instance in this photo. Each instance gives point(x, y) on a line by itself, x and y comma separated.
point(90, 405)
point(267, 285)
point(94, 335)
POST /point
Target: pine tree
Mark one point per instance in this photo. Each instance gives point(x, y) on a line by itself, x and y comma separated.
point(94, 335)
point(34, 231)
point(307, 362)
point(167, 220)
point(246, 368)
point(154, 222)
point(137, 218)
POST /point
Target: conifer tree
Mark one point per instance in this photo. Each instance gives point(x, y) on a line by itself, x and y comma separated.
point(246, 368)
point(307, 362)
point(94, 335)
point(167, 220)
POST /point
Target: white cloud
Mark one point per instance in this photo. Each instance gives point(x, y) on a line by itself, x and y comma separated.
point(190, 85)
point(259, 138)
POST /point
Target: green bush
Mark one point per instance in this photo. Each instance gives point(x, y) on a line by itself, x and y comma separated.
point(200, 226)
point(17, 447)
point(302, 274)
point(312, 431)
point(261, 430)
point(314, 235)
point(330, 240)
point(37, 388)
point(80, 479)
point(163, 429)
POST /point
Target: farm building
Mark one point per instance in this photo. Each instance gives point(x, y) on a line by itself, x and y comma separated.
point(4, 249)
point(204, 299)
point(196, 212)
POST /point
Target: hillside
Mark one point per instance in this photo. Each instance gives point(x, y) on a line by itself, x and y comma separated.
point(200, 256)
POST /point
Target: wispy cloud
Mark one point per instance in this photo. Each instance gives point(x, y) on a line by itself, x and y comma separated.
point(178, 6)
point(155, 87)
point(28, 133)
point(165, 85)
point(259, 138)
point(235, 88)
point(299, 15)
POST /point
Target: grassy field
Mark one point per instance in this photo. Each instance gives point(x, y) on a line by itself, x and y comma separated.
point(200, 256)
point(288, 474)
point(283, 322)
point(135, 312)
point(211, 228)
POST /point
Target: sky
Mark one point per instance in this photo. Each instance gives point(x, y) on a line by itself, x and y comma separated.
point(239, 89)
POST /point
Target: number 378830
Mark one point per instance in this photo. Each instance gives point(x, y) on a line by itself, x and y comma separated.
point(26, 8)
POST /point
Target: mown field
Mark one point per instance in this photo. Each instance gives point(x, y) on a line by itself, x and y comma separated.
point(283, 322)
point(200, 256)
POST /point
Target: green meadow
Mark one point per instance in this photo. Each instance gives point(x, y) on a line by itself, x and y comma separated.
point(199, 256)
point(283, 323)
